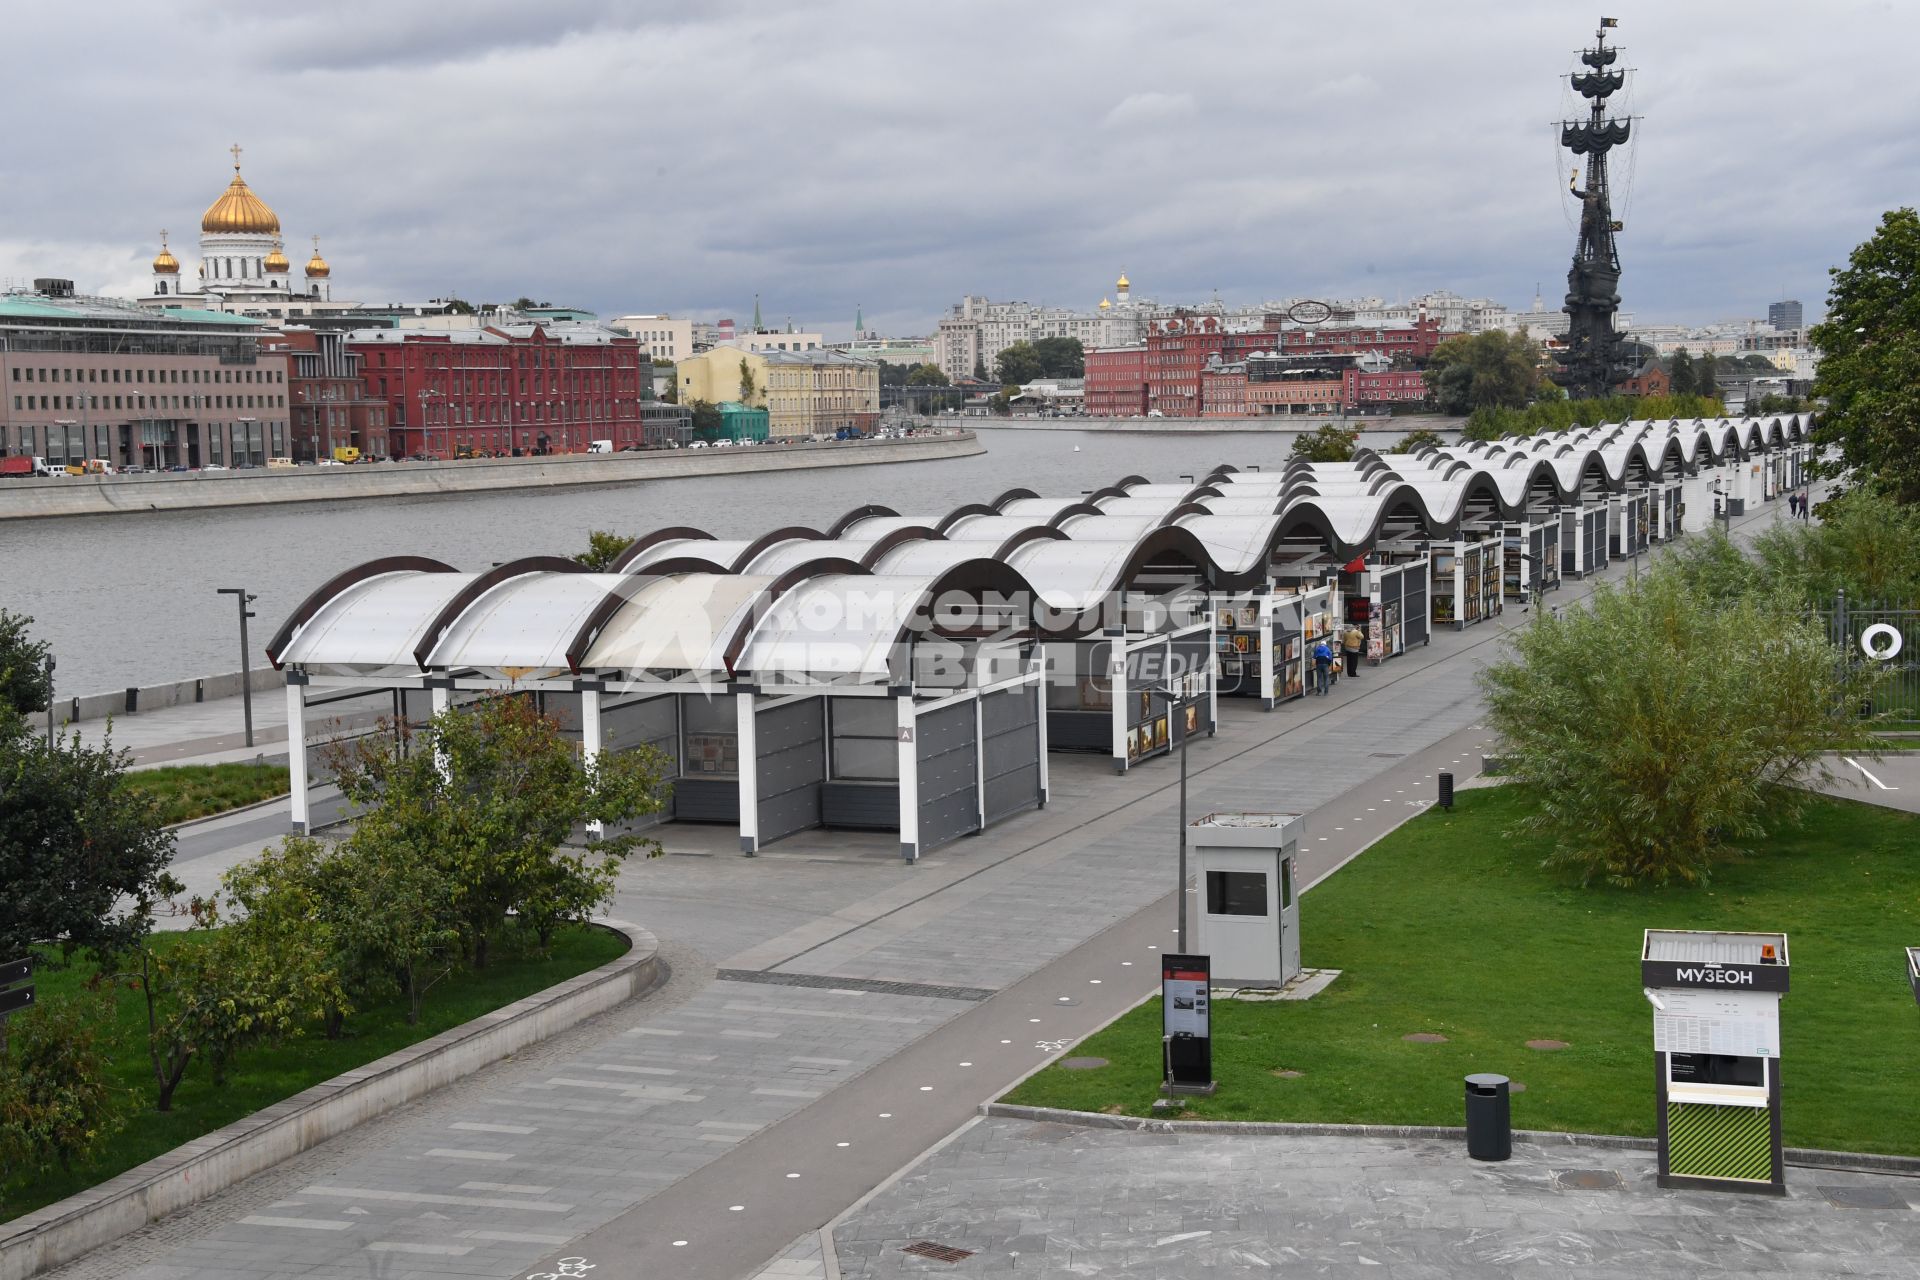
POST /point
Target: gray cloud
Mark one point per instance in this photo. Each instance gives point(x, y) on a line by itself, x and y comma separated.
point(625, 157)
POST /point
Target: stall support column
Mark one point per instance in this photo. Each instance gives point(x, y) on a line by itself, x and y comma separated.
point(749, 779)
point(979, 762)
point(297, 750)
point(1040, 714)
point(440, 696)
point(909, 759)
point(1117, 678)
point(590, 739)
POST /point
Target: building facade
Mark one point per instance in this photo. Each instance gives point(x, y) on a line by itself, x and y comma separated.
point(507, 389)
point(662, 337)
point(100, 378)
point(805, 393)
point(1785, 315)
point(329, 407)
point(1117, 382)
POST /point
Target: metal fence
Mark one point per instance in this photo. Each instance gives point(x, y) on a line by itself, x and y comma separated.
point(1888, 636)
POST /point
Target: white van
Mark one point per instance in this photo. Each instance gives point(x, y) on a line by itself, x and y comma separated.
point(599, 446)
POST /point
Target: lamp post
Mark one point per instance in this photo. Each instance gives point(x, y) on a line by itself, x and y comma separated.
point(1180, 890)
point(246, 433)
point(242, 599)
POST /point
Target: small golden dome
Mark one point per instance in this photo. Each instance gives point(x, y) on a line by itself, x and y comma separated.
point(317, 268)
point(165, 264)
point(1105, 305)
point(1122, 282)
point(276, 263)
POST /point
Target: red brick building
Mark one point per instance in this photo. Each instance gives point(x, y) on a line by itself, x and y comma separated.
point(1389, 386)
point(328, 402)
point(1116, 382)
point(1415, 341)
point(1223, 391)
point(510, 389)
point(1650, 380)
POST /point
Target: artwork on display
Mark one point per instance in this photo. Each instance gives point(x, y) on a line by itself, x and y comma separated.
point(1160, 732)
point(1249, 616)
point(1242, 643)
point(1226, 618)
point(713, 753)
point(1146, 706)
point(1133, 745)
point(1144, 736)
point(1095, 694)
point(1193, 719)
point(1231, 667)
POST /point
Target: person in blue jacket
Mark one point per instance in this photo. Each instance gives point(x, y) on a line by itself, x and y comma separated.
point(1322, 667)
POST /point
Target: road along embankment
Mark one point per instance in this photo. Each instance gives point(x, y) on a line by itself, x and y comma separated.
point(105, 495)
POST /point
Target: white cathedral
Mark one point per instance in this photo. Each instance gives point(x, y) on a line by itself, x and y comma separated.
point(243, 265)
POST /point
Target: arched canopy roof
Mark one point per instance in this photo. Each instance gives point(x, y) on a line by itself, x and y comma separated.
point(681, 623)
point(376, 622)
point(529, 621)
point(337, 586)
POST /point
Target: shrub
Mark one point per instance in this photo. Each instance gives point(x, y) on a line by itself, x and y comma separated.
point(57, 1102)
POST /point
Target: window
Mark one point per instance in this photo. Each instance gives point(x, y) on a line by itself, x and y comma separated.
point(1236, 893)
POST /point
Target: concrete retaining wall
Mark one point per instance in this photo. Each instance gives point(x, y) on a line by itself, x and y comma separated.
point(103, 495)
point(210, 1164)
point(154, 697)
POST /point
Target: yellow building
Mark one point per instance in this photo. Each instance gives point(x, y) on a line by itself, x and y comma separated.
point(805, 393)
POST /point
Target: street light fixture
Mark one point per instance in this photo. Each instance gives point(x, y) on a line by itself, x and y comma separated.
point(242, 599)
point(1180, 894)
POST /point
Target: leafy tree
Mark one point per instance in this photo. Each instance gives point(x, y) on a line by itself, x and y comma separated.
point(1870, 361)
point(402, 916)
point(979, 369)
point(492, 796)
point(707, 424)
point(1662, 728)
point(290, 904)
point(926, 375)
point(1680, 374)
point(1000, 403)
point(1061, 357)
point(748, 387)
point(75, 841)
point(1490, 369)
point(893, 375)
point(1019, 364)
point(26, 667)
point(57, 1101)
point(1866, 544)
point(603, 548)
point(1328, 444)
point(1419, 438)
point(1705, 374)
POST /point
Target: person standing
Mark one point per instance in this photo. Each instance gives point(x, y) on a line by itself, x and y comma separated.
point(1352, 643)
point(1793, 504)
point(1322, 667)
point(1806, 500)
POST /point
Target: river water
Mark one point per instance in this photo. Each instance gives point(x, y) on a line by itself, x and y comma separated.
point(130, 599)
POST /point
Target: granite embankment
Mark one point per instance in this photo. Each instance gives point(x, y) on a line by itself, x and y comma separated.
point(105, 495)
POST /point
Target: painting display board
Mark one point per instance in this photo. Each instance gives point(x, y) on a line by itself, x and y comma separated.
point(1466, 581)
point(1186, 1021)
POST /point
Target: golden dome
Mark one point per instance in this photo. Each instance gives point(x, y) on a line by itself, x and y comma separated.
point(317, 267)
point(1122, 282)
point(1105, 305)
point(276, 262)
point(165, 264)
point(238, 210)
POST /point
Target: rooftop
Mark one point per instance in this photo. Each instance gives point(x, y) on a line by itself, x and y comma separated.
point(80, 310)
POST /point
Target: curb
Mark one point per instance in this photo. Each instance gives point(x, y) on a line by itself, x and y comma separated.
point(216, 1161)
point(205, 818)
point(1805, 1157)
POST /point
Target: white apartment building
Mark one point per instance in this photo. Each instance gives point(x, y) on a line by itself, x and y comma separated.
point(978, 329)
point(775, 340)
point(663, 337)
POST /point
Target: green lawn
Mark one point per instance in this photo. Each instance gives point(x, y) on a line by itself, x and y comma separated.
point(195, 790)
point(265, 1075)
point(1450, 926)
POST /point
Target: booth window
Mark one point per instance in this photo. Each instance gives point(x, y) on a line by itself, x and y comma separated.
point(1286, 882)
point(712, 738)
point(865, 736)
point(1236, 893)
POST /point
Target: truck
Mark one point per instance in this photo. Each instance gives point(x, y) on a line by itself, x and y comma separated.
point(345, 453)
point(23, 466)
point(599, 446)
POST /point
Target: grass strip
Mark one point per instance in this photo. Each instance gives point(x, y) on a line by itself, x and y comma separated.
point(190, 791)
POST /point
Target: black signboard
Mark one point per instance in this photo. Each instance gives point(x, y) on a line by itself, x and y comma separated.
point(1713, 975)
point(1913, 972)
point(15, 1000)
point(13, 971)
point(1186, 1020)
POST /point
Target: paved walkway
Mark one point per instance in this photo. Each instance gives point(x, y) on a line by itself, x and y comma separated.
point(825, 963)
point(1058, 1200)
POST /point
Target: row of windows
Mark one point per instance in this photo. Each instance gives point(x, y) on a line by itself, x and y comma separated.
point(499, 385)
point(37, 374)
point(52, 404)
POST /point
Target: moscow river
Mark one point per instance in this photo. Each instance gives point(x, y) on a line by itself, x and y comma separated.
point(130, 599)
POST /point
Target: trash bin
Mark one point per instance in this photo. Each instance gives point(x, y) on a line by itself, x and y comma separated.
point(1489, 1118)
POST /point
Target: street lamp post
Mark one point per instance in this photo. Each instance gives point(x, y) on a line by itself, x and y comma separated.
point(242, 599)
point(1180, 893)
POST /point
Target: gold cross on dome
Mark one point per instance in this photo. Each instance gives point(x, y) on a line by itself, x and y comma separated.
point(235, 148)
point(163, 237)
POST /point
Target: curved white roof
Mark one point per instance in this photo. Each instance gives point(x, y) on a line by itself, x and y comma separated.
point(526, 621)
point(680, 623)
point(836, 625)
point(375, 623)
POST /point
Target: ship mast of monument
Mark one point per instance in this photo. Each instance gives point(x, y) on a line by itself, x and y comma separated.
point(1593, 362)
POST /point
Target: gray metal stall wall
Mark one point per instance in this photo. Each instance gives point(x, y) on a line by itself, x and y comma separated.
point(1080, 704)
point(862, 791)
point(1193, 657)
point(1416, 621)
point(628, 723)
point(790, 740)
point(944, 747)
point(1010, 750)
point(708, 789)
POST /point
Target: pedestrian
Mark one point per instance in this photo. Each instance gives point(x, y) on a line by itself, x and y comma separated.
point(1806, 501)
point(1351, 645)
point(1793, 504)
point(1322, 667)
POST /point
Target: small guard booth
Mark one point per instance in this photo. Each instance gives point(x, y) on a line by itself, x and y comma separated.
point(1716, 1046)
point(1249, 897)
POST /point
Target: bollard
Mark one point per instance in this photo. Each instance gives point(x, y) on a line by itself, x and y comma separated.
point(200, 690)
point(133, 700)
point(1489, 1117)
point(1446, 792)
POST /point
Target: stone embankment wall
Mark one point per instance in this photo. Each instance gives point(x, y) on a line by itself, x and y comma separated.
point(106, 495)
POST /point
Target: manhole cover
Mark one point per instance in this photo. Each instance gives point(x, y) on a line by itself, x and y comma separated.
point(1424, 1037)
point(1547, 1046)
point(938, 1252)
point(1864, 1197)
point(1588, 1179)
point(1082, 1064)
point(1288, 1074)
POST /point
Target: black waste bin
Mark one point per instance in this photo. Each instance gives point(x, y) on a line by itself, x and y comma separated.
point(1489, 1118)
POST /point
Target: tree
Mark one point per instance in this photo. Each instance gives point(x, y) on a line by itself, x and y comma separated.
point(491, 796)
point(1680, 374)
point(1328, 444)
point(1019, 364)
point(979, 369)
point(1661, 727)
point(57, 1101)
point(603, 548)
point(1705, 374)
point(748, 387)
point(1866, 544)
point(1419, 438)
point(402, 916)
point(1870, 360)
point(1000, 403)
point(75, 841)
point(290, 905)
point(26, 667)
point(1061, 357)
point(707, 424)
point(893, 375)
point(1489, 369)
point(926, 375)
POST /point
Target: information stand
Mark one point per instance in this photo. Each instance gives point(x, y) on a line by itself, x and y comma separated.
point(1716, 1046)
point(1186, 1022)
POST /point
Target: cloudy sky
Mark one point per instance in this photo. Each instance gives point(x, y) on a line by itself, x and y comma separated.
point(629, 157)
